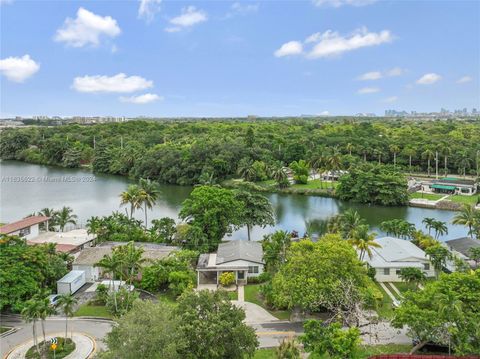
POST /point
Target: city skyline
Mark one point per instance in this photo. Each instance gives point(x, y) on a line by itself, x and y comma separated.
point(233, 59)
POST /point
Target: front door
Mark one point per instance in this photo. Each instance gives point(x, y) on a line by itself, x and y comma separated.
point(241, 275)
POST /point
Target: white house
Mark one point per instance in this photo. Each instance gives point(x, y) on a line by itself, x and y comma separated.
point(244, 258)
point(395, 254)
point(27, 228)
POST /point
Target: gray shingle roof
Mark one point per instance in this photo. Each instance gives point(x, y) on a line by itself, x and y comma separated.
point(463, 245)
point(239, 250)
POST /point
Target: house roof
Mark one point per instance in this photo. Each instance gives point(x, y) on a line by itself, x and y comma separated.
point(463, 245)
point(92, 255)
point(396, 253)
point(455, 181)
point(239, 250)
point(76, 237)
point(23, 223)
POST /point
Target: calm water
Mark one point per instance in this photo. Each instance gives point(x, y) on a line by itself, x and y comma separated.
point(37, 187)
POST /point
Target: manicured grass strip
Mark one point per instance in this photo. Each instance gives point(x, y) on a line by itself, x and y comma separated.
point(265, 354)
point(4, 329)
point(405, 287)
point(429, 196)
point(385, 308)
point(471, 200)
point(87, 310)
point(252, 295)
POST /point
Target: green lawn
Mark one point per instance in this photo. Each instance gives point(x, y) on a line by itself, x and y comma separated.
point(429, 196)
point(385, 308)
point(252, 295)
point(233, 295)
point(265, 354)
point(167, 297)
point(404, 287)
point(89, 310)
point(471, 200)
point(316, 184)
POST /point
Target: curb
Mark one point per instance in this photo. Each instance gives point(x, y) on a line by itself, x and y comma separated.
point(8, 332)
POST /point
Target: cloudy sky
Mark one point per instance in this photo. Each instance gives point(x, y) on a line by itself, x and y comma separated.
point(220, 58)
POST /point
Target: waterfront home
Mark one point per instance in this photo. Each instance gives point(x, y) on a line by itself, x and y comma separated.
point(451, 185)
point(67, 242)
point(244, 258)
point(333, 175)
point(395, 254)
point(27, 228)
point(89, 257)
point(461, 247)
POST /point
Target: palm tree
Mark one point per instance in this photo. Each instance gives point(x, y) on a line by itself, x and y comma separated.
point(349, 221)
point(66, 216)
point(363, 241)
point(446, 151)
point(379, 154)
point(67, 302)
point(394, 149)
point(463, 162)
point(111, 265)
point(428, 222)
point(410, 152)
point(131, 258)
point(31, 312)
point(49, 212)
point(150, 195)
point(46, 309)
point(440, 228)
point(132, 196)
point(349, 147)
point(280, 176)
point(428, 154)
point(316, 163)
point(246, 171)
point(466, 217)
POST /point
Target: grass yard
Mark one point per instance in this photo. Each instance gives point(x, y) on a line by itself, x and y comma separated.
point(265, 354)
point(252, 295)
point(385, 308)
point(167, 298)
point(233, 295)
point(471, 200)
point(429, 196)
point(88, 310)
point(4, 329)
point(405, 287)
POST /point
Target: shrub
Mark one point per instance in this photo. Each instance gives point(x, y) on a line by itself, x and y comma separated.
point(226, 279)
point(121, 301)
point(101, 294)
point(261, 278)
point(288, 349)
point(302, 179)
point(179, 281)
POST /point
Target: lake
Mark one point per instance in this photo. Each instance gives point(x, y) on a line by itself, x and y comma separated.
point(27, 188)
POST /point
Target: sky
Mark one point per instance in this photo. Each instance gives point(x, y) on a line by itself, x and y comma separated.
point(219, 58)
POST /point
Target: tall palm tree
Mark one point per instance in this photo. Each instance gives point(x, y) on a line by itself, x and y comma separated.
point(133, 196)
point(46, 309)
point(316, 163)
point(446, 151)
point(363, 241)
point(67, 302)
point(31, 312)
point(440, 228)
point(466, 217)
point(150, 195)
point(349, 147)
point(428, 154)
point(65, 216)
point(246, 171)
point(394, 149)
point(429, 223)
point(463, 162)
point(111, 265)
point(49, 212)
point(410, 152)
point(280, 176)
point(349, 221)
point(379, 154)
point(131, 258)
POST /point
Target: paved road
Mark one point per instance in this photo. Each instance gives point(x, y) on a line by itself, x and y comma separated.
point(96, 329)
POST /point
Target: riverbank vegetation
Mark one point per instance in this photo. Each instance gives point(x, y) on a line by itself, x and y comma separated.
point(192, 152)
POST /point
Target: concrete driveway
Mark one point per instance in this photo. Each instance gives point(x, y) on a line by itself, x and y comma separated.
point(255, 313)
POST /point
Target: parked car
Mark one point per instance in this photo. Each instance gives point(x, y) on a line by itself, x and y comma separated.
point(53, 298)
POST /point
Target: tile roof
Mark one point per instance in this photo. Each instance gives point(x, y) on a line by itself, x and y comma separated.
point(24, 223)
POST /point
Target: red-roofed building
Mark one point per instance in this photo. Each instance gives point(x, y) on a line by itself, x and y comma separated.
point(26, 228)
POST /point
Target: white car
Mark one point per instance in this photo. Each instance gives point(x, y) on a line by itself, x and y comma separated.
point(53, 298)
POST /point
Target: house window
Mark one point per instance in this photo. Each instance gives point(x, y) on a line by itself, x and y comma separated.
point(386, 271)
point(24, 232)
point(397, 272)
point(253, 269)
point(426, 266)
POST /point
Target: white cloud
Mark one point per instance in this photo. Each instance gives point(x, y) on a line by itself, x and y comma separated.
point(367, 90)
point(374, 75)
point(142, 99)
point(190, 16)
point(119, 83)
point(148, 9)
point(18, 69)
point(338, 3)
point(429, 79)
point(289, 48)
point(87, 29)
point(244, 8)
point(391, 99)
point(464, 79)
point(324, 113)
point(331, 43)
point(396, 71)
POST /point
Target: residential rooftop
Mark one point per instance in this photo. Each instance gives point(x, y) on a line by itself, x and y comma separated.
point(23, 223)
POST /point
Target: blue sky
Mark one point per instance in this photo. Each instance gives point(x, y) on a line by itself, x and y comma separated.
point(219, 58)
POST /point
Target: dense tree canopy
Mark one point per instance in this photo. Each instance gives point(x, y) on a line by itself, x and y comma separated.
point(447, 311)
point(191, 152)
point(25, 270)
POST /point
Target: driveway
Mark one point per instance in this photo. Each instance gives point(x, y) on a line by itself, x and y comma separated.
point(254, 313)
